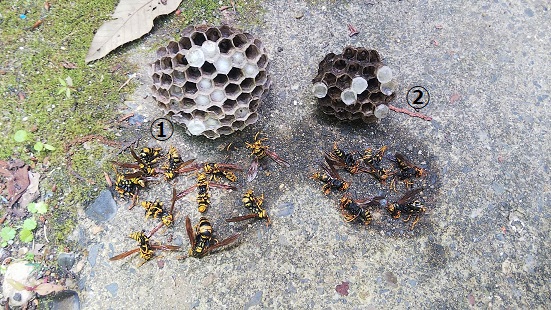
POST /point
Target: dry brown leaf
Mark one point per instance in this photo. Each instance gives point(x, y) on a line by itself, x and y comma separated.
point(131, 20)
point(47, 288)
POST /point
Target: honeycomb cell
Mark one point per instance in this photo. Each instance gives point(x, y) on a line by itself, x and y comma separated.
point(240, 40)
point(226, 31)
point(330, 79)
point(166, 81)
point(339, 65)
point(261, 78)
point(177, 92)
point(208, 69)
point(235, 75)
point(172, 48)
point(233, 90)
point(252, 52)
point(225, 46)
point(179, 61)
point(190, 88)
point(185, 43)
point(257, 92)
point(193, 74)
point(343, 81)
point(225, 130)
point(198, 38)
point(229, 105)
point(211, 80)
point(221, 80)
point(349, 52)
point(352, 68)
point(213, 34)
point(262, 61)
point(223, 65)
point(156, 79)
point(247, 85)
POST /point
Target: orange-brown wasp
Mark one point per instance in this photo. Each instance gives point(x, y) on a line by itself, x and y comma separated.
point(261, 151)
point(407, 170)
point(356, 210)
point(407, 205)
point(331, 178)
point(340, 159)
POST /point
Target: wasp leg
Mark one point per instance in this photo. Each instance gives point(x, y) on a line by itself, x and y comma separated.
point(406, 220)
point(415, 222)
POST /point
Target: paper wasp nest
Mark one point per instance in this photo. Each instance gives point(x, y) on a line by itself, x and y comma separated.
point(354, 85)
point(211, 80)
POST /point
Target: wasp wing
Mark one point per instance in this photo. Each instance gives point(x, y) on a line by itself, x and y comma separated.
point(277, 159)
point(125, 254)
point(253, 170)
point(190, 233)
point(221, 243)
point(408, 197)
point(242, 218)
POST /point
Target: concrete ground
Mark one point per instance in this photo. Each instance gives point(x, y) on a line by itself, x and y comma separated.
point(483, 242)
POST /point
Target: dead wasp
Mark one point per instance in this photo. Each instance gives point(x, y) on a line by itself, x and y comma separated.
point(260, 151)
point(174, 164)
point(356, 210)
point(148, 157)
point(372, 158)
point(203, 193)
point(202, 240)
point(216, 170)
point(129, 184)
point(341, 159)
point(380, 174)
point(155, 209)
point(254, 204)
point(407, 205)
point(331, 178)
point(145, 247)
point(407, 170)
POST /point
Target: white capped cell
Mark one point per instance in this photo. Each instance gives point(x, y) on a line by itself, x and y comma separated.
point(223, 65)
point(359, 84)
point(319, 90)
point(250, 70)
point(202, 100)
point(238, 59)
point(204, 85)
point(218, 95)
point(388, 88)
point(212, 123)
point(348, 96)
point(210, 50)
point(384, 74)
point(195, 57)
point(196, 127)
point(381, 111)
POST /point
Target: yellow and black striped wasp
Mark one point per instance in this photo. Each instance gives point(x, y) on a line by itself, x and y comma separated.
point(155, 210)
point(254, 204)
point(374, 158)
point(260, 151)
point(174, 164)
point(356, 210)
point(331, 179)
point(145, 248)
point(144, 162)
point(129, 185)
point(216, 170)
point(202, 240)
point(407, 171)
point(203, 192)
point(407, 205)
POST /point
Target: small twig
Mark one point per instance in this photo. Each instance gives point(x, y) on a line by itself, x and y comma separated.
point(410, 113)
point(45, 234)
point(125, 117)
point(127, 81)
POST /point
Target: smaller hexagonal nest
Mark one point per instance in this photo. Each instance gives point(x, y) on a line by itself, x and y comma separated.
point(212, 80)
point(354, 85)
